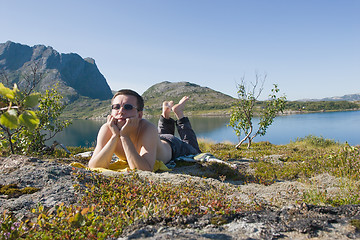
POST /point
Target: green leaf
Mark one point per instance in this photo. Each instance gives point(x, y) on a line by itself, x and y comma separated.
point(9, 119)
point(78, 220)
point(7, 92)
point(32, 100)
point(15, 88)
point(17, 93)
point(29, 120)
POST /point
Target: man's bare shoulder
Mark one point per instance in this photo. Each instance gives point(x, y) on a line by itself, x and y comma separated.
point(105, 130)
point(104, 127)
point(147, 131)
point(146, 124)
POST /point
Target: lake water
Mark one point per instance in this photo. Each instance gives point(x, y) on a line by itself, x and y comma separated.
point(339, 126)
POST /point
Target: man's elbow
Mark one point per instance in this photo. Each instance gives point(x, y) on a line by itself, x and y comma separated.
point(148, 167)
point(143, 169)
point(95, 164)
point(92, 165)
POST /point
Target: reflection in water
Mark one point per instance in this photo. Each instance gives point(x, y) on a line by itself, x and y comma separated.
point(84, 132)
point(80, 133)
point(340, 126)
point(203, 125)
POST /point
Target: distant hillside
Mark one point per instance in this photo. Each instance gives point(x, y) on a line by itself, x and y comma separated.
point(348, 97)
point(203, 100)
point(87, 108)
point(74, 75)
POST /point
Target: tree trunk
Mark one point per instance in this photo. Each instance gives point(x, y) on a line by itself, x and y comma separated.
point(10, 142)
point(243, 140)
point(239, 144)
point(250, 140)
point(249, 143)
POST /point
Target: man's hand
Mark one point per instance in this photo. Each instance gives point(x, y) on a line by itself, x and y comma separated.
point(112, 123)
point(131, 126)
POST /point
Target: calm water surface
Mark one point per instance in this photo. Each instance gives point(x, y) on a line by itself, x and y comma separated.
point(339, 126)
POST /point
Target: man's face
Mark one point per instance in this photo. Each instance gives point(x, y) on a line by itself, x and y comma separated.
point(120, 113)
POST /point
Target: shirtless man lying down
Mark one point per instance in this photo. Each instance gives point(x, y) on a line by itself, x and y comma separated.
point(137, 140)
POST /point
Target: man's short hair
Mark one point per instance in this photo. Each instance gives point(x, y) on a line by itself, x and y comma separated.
point(140, 100)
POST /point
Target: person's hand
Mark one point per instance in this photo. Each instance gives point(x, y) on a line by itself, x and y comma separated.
point(131, 125)
point(112, 123)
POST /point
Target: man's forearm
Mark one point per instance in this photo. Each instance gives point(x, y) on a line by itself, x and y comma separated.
point(134, 159)
point(102, 159)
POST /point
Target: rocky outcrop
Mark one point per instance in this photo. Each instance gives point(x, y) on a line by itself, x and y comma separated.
point(53, 181)
point(73, 74)
point(284, 216)
point(294, 222)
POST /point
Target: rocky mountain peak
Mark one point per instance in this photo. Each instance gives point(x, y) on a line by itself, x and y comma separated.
point(74, 75)
point(90, 60)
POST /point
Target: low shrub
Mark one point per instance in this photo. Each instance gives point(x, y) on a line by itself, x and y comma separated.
point(111, 204)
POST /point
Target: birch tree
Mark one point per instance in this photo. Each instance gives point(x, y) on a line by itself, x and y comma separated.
point(243, 111)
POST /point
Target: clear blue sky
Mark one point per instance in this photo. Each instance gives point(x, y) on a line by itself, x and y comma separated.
point(310, 48)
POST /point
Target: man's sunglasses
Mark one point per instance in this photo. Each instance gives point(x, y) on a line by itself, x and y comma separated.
point(125, 106)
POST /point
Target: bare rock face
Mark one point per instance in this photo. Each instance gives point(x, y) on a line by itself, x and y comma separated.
point(52, 183)
point(295, 222)
point(74, 75)
point(284, 216)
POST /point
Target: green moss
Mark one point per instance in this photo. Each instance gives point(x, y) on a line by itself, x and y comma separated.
point(224, 172)
point(13, 191)
point(355, 223)
point(218, 220)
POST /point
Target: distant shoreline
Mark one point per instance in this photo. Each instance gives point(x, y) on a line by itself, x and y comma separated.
point(291, 112)
point(285, 113)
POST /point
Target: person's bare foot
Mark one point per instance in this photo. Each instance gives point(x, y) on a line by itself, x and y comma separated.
point(166, 109)
point(178, 109)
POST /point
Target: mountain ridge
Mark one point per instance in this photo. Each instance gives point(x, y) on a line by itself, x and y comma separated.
point(346, 97)
point(74, 75)
point(80, 81)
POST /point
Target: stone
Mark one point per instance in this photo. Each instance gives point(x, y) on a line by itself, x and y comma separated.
point(73, 74)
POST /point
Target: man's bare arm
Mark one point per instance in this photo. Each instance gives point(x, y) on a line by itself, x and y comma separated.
point(107, 140)
point(145, 158)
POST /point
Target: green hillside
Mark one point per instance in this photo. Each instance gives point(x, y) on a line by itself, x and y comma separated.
point(203, 100)
point(87, 108)
point(319, 106)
